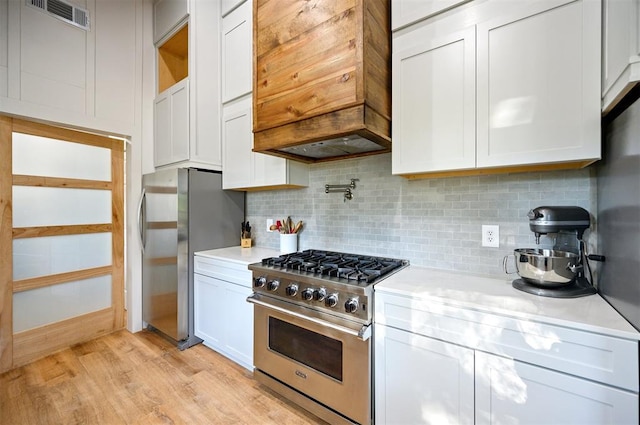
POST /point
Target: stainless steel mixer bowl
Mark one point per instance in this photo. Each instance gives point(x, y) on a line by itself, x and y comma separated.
point(546, 267)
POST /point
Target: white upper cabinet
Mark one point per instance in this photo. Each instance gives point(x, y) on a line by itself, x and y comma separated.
point(245, 169)
point(190, 51)
point(538, 85)
point(227, 6)
point(434, 87)
point(237, 142)
point(167, 14)
point(498, 85)
point(171, 124)
point(620, 50)
point(406, 12)
point(56, 70)
point(237, 49)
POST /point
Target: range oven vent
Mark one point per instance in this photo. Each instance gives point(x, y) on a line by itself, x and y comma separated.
point(64, 11)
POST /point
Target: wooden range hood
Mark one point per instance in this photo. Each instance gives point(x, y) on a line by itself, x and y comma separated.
point(322, 78)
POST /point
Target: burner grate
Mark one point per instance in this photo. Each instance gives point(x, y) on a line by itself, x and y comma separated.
point(350, 267)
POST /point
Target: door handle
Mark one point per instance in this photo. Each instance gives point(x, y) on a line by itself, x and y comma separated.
point(364, 333)
point(141, 233)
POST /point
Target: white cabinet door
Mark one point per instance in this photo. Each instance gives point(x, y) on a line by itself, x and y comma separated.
point(227, 6)
point(434, 104)
point(171, 124)
point(511, 392)
point(405, 12)
point(238, 323)
point(166, 15)
point(269, 170)
point(204, 74)
point(620, 49)
point(237, 142)
point(223, 318)
point(244, 169)
point(209, 321)
point(538, 84)
point(237, 52)
point(421, 380)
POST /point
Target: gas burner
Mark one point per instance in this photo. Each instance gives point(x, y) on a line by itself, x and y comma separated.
point(325, 281)
point(348, 267)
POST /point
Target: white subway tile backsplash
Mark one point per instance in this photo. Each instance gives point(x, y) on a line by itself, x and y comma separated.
point(432, 222)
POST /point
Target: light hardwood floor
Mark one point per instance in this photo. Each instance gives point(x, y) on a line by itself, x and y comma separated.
point(141, 378)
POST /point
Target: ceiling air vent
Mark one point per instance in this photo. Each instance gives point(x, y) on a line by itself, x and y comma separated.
point(63, 11)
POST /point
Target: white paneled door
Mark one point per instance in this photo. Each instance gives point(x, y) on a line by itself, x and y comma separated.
point(62, 239)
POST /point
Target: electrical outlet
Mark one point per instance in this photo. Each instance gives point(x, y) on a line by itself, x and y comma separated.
point(491, 235)
point(269, 223)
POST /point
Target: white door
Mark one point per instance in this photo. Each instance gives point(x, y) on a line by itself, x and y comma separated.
point(511, 392)
point(434, 104)
point(421, 380)
point(237, 142)
point(237, 52)
point(171, 124)
point(209, 320)
point(539, 84)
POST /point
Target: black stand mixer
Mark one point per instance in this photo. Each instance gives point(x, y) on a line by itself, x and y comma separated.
point(557, 272)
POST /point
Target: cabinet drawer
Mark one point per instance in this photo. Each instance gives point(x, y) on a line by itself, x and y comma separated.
point(602, 358)
point(224, 270)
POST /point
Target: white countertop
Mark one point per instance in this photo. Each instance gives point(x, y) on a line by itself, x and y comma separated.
point(236, 254)
point(591, 313)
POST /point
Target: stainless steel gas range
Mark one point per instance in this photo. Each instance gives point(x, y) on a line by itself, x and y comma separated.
point(312, 326)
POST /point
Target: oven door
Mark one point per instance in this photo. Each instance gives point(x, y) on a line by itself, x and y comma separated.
point(326, 358)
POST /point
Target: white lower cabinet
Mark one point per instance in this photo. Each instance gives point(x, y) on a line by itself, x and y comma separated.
point(421, 380)
point(509, 391)
point(439, 364)
point(223, 317)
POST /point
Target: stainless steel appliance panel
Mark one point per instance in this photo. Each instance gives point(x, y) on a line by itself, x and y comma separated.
point(181, 211)
point(330, 364)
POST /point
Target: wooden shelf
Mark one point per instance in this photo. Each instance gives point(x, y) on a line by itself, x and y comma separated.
point(173, 59)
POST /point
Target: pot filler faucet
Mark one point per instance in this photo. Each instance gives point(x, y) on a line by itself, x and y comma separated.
point(543, 220)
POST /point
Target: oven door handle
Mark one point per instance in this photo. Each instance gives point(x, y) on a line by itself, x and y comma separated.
point(364, 333)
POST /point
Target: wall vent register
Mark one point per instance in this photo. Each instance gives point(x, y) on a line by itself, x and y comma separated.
point(64, 11)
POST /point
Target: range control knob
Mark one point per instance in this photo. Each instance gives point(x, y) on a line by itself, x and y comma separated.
point(331, 301)
point(291, 290)
point(273, 285)
point(259, 282)
point(307, 294)
point(351, 306)
point(319, 294)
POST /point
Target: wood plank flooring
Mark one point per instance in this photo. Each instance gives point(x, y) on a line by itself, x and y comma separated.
point(141, 378)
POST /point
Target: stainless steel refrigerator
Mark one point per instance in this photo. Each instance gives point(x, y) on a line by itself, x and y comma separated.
point(181, 211)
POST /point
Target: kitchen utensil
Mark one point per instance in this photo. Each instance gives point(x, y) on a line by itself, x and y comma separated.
point(298, 227)
point(545, 267)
